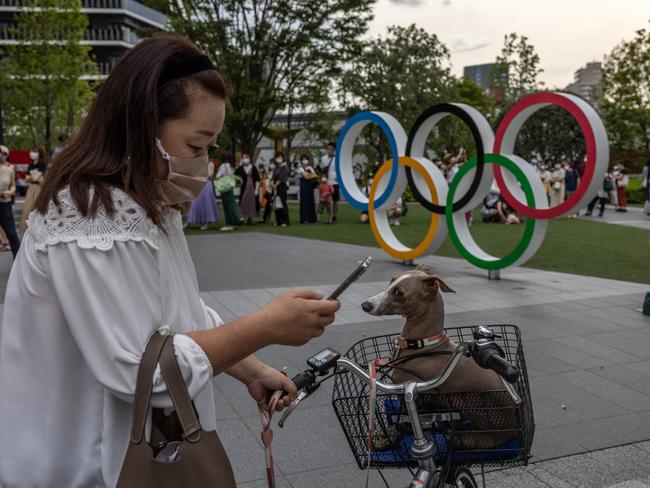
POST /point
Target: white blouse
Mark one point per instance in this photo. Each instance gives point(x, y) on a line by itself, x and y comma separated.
point(84, 297)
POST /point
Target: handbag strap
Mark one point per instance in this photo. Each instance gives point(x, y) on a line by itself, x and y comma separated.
point(179, 394)
point(144, 384)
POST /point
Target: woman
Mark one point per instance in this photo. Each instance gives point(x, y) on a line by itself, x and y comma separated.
point(203, 210)
point(228, 197)
point(308, 181)
point(621, 181)
point(249, 190)
point(280, 180)
point(266, 197)
point(7, 193)
point(105, 264)
point(35, 175)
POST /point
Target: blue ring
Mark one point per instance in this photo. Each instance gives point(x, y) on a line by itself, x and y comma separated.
point(372, 117)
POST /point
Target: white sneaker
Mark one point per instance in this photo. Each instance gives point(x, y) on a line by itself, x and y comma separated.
point(204, 227)
point(396, 224)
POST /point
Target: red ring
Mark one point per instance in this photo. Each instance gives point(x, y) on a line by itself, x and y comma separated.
point(590, 144)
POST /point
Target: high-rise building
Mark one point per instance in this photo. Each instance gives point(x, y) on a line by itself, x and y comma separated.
point(587, 81)
point(112, 30)
point(481, 74)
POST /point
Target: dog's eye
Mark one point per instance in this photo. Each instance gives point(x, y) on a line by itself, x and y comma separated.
point(398, 292)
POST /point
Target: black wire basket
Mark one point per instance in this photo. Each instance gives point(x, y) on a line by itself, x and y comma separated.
point(483, 428)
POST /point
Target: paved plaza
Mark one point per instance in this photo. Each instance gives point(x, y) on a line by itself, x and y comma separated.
point(587, 349)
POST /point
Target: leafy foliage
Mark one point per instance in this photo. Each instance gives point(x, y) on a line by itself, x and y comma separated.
point(275, 54)
point(43, 91)
point(626, 95)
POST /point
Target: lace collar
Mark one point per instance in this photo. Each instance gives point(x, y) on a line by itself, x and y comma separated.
point(66, 224)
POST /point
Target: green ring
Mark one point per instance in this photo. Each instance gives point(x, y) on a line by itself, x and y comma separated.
point(510, 258)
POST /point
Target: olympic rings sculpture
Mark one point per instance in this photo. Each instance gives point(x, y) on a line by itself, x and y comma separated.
point(519, 184)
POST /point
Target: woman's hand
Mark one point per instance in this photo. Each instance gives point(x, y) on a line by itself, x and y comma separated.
point(296, 317)
point(267, 381)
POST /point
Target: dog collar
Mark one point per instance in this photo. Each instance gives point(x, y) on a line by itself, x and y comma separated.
point(404, 343)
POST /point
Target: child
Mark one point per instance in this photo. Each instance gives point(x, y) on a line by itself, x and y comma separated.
point(326, 201)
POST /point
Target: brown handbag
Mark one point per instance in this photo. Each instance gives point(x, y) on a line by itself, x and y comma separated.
point(201, 460)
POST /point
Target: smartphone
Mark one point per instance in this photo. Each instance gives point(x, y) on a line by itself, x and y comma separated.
point(354, 276)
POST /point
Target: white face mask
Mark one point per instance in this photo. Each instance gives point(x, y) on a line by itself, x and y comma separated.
point(278, 160)
point(246, 161)
point(33, 155)
point(305, 162)
point(271, 167)
point(186, 177)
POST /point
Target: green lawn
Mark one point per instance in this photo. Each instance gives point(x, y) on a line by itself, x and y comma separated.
point(571, 245)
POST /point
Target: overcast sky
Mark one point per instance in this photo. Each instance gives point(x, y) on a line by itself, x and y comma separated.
point(566, 33)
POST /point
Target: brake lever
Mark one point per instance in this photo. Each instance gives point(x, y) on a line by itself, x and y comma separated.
point(301, 396)
point(510, 389)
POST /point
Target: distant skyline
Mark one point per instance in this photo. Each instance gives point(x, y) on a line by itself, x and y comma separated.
point(567, 34)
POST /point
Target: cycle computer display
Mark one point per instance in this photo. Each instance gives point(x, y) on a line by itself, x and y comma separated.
point(324, 360)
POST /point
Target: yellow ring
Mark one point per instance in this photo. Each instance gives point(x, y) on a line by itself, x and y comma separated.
point(431, 232)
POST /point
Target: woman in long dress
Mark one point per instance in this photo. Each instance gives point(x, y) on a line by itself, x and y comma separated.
point(250, 187)
point(307, 176)
point(35, 175)
point(203, 210)
point(104, 265)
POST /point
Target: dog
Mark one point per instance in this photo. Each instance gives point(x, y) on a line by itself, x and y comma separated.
point(416, 295)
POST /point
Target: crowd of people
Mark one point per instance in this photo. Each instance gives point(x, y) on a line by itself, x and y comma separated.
point(263, 191)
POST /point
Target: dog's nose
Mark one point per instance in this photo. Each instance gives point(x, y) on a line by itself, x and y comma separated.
point(366, 306)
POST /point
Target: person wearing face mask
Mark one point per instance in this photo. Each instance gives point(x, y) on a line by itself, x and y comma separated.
point(328, 168)
point(308, 181)
point(621, 181)
point(104, 265)
point(645, 184)
point(250, 188)
point(35, 175)
point(7, 192)
point(226, 181)
point(280, 180)
point(267, 192)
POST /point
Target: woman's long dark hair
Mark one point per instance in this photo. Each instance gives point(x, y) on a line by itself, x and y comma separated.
point(115, 146)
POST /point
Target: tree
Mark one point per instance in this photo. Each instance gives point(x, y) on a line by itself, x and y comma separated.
point(43, 90)
point(516, 69)
point(626, 94)
point(401, 73)
point(274, 53)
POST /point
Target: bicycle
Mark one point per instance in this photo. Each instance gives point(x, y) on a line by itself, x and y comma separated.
point(429, 433)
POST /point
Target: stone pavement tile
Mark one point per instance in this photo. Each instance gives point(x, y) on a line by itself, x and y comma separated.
point(553, 390)
point(281, 482)
point(240, 307)
point(634, 341)
point(608, 432)
point(226, 295)
point(236, 395)
point(244, 450)
point(645, 446)
point(347, 476)
point(632, 484)
point(513, 478)
point(224, 410)
point(225, 314)
point(568, 354)
point(612, 354)
point(546, 477)
point(601, 468)
point(258, 296)
point(544, 363)
point(614, 392)
point(312, 439)
point(626, 376)
point(553, 442)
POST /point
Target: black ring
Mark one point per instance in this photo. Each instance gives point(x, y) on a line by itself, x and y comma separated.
point(451, 109)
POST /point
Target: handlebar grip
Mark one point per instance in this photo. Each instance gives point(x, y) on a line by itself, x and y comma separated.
point(306, 378)
point(490, 358)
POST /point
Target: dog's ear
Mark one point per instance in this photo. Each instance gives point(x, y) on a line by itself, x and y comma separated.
point(433, 284)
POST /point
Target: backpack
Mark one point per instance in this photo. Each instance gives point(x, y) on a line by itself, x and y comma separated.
point(608, 184)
